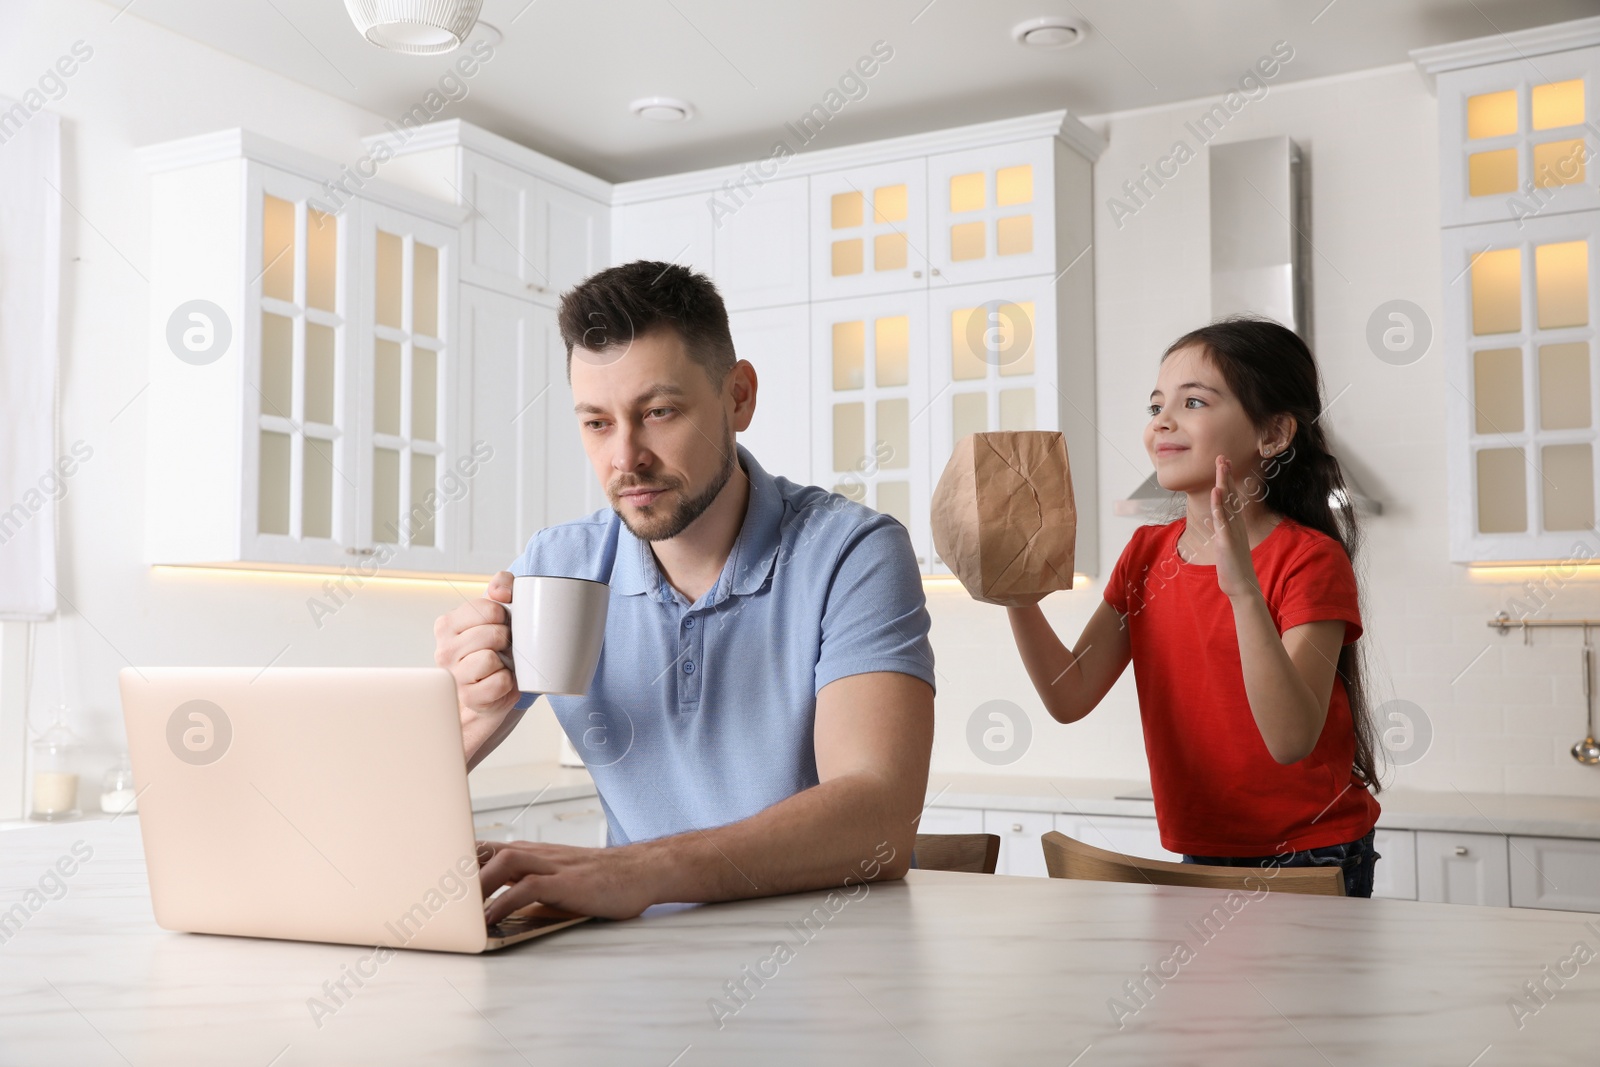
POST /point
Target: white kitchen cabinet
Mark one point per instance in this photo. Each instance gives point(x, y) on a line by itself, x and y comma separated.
point(1462, 868)
point(1131, 835)
point(1555, 872)
point(573, 489)
point(777, 342)
point(991, 212)
point(302, 363)
point(869, 372)
point(1395, 874)
point(580, 821)
point(1021, 851)
point(951, 821)
point(869, 230)
point(760, 246)
point(674, 229)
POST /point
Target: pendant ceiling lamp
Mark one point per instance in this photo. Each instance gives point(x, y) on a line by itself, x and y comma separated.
point(416, 27)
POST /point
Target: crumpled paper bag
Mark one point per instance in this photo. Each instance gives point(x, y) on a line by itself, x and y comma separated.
point(1003, 516)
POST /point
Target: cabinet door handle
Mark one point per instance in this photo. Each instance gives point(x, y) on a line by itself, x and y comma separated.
point(916, 274)
point(565, 815)
point(1016, 828)
point(359, 551)
point(1461, 850)
point(936, 272)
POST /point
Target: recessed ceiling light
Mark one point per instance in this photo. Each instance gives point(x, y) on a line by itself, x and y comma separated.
point(488, 33)
point(662, 109)
point(1051, 31)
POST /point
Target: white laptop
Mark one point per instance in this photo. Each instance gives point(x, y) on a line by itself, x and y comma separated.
point(316, 804)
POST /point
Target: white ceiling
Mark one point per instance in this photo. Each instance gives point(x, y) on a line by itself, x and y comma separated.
point(563, 76)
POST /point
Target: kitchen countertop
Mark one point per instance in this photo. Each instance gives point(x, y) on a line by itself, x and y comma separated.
point(939, 969)
point(1454, 812)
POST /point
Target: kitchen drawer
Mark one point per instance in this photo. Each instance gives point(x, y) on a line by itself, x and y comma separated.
point(1131, 835)
point(580, 821)
point(1555, 872)
point(1019, 832)
point(1395, 876)
point(1462, 868)
point(951, 821)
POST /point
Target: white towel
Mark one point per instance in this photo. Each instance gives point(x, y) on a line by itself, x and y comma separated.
point(30, 283)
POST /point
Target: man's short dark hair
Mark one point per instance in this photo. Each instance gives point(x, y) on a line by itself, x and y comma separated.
point(612, 308)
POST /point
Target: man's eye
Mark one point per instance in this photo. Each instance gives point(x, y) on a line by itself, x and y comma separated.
point(661, 412)
point(593, 424)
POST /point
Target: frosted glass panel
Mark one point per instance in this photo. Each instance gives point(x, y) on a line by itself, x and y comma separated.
point(316, 489)
point(388, 273)
point(1492, 114)
point(1013, 185)
point(894, 499)
point(1558, 163)
point(856, 491)
point(272, 501)
point(1568, 486)
point(849, 354)
point(969, 413)
point(847, 210)
point(966, 241)
point(277, 365)
point(1502, 491)
point(1013, 340)
point(420, 522)
point(386, 387)
point(889, 251)
point(892, 338)
point(966, 344)
point(894, 430)
point(425, 291)
point(424, 395)
point(847, 257)
point(1017, 409)
point(386, 495)
point(277, 248)
point(966, 192)
point(1492, 173)
point(322, 260)
point(1014, 236)
point(319, 373)
point(1558, 104)
point(849, 435)
point(1561, 272)
point(889, 203)
point(1497, 291)
point(1564, 395)
point(1497, 390)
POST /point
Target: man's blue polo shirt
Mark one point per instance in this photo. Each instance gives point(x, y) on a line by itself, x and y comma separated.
point(702, 714)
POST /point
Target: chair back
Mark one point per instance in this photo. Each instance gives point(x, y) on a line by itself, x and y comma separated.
point(971, 853)
point(1065, 857)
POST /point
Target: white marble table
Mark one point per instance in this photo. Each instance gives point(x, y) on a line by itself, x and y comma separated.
point(941, 969)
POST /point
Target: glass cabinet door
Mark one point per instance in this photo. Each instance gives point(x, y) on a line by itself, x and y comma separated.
point(869, 230)
point(409, 309)
point(1524, 408)
point(870, 402)
point(991, 213)
point(992, 363)
point(1519, 138)
point(297, 307)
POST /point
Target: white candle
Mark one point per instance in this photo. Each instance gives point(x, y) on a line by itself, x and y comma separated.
point(117, 801)
point(54, 792)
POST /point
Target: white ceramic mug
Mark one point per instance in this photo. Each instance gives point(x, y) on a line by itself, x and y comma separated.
point(557, 628)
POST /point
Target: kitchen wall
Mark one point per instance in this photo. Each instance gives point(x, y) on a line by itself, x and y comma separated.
point(1502, 715)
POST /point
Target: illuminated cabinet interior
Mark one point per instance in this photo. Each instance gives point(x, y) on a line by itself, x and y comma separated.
point(1520, 236)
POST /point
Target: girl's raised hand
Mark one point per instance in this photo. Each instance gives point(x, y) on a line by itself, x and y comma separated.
point(1236, 575)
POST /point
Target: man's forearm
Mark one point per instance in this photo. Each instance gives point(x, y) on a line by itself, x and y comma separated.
point(850, 827)
point(480, 736)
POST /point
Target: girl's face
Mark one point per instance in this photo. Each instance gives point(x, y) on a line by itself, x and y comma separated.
point(1193, 420)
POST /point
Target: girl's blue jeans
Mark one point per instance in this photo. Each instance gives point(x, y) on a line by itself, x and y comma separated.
point(1357, 858)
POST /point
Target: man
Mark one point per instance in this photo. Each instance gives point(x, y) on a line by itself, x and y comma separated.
point(762, 715)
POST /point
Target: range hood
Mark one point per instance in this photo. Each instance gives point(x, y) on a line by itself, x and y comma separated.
point(1258, 267)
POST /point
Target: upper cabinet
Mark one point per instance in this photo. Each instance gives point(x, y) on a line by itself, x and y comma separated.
point(869, 229)
point(1521, 227)
point(984, 219)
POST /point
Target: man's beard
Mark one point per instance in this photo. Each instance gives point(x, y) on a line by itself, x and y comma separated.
point(663, 527)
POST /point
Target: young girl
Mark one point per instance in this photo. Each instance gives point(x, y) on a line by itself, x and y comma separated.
point(1240, 618)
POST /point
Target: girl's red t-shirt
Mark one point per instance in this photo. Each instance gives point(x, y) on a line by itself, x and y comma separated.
point(1218, 791)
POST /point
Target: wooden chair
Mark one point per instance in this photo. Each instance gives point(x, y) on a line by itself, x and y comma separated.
point(1065, 857)
point(969, 853)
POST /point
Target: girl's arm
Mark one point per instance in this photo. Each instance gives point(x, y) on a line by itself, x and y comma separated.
point(1288, 680)
point(1071, 683)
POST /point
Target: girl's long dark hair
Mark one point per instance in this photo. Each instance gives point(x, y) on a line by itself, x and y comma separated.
point(1273, 373)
